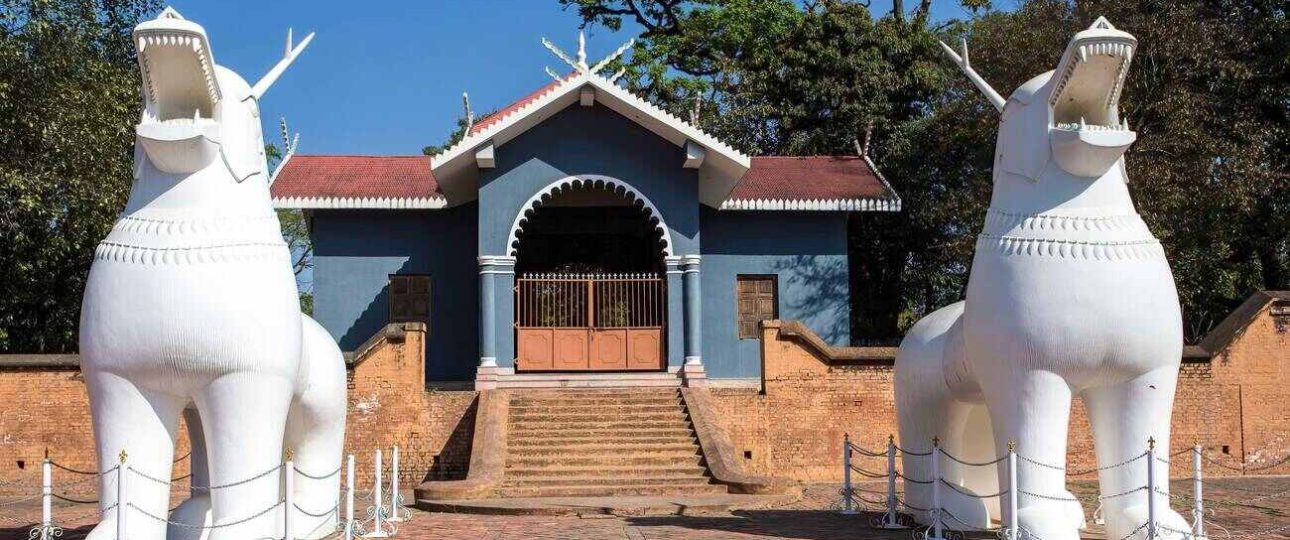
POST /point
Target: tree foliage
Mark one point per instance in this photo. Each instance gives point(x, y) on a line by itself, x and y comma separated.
point(68, 99)
point(1207, 94)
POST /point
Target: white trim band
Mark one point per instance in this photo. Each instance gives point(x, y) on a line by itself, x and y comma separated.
point(383, 203)
point(833, 205)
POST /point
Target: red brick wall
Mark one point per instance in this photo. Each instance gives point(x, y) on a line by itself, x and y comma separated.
point(388, 405)
point(794, 429)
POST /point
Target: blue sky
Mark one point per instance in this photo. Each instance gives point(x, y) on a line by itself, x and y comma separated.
point(386, 77)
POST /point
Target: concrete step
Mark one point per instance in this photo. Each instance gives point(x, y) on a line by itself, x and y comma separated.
point(549, 431)
point(596, 400)
point(626, 441)
point(615, 381)
point(584, 426)
point(595, 408)
point(536, 481)
point(670, 459)
point(603, 449)
point(573, 490)
point(667, 417)
point(609, 471)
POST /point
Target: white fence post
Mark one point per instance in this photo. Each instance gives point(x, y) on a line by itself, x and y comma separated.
point(1014, 524)
point(394, 486)
point(848, 504)
point(936, 489)
point(377, 512)
point(288, 504)
point(46, 498)
point(1151, 488)
point(349, 497)
point(121, 501)
point(1197, 487)
point(891, 481)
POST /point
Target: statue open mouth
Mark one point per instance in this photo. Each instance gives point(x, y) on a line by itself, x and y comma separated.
point(178, 129)
point(1086, 132)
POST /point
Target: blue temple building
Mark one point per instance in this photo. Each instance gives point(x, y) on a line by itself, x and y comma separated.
point(582, 232)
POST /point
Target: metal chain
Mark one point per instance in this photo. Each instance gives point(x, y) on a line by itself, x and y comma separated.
point(78, 471)
point(916, 454)
point(910, 506)
point(22, 500)
point(239, 482)
point(1121, 494)
point(973, 495)
point(75, 501)
point(961, 522)
point(867, 474)
point(1040, 463)
point(973, 464)
point(320, 477)
point(1109, 467)
point(323, 514)
point(1048, 497)
point(205, 527)
point(911, 480)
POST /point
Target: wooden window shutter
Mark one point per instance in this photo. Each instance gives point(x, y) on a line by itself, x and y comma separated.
point(409, 298)
point(757, 300)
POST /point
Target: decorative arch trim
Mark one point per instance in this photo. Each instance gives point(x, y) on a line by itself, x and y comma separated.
point(595, 181)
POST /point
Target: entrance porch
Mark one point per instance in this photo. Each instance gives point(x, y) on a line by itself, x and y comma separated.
point(590, 286)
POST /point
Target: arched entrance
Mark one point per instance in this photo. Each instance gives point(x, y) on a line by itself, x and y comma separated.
point(590, 290)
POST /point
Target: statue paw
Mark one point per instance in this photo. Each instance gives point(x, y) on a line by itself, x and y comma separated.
point(1050, 520)
point(1169, 524)
point(193, 514)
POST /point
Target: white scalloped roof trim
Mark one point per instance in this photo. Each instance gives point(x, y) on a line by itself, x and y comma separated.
point(573, 83)
point(834, 205)
point(385, 203)
point(690, 130)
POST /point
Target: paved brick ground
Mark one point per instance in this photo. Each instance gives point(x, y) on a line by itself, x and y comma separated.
point(1237, 507)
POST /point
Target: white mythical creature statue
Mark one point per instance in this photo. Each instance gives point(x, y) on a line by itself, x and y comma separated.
point(1070, 294)
point(191, 300)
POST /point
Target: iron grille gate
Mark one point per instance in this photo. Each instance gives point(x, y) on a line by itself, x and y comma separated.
point(590, 322)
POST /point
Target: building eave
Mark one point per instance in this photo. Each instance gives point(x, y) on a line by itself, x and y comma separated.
point(357, 203)
point(818, 205)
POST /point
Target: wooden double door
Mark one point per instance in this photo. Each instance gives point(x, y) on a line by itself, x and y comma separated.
point(590, 322)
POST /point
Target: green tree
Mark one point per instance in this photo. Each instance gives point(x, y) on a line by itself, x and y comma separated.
point(295, 232)
point(69, 94)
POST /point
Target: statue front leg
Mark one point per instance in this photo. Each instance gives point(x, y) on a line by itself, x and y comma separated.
point(1032, 408)
point(1124, 416)
point(189, 519)
point(244, 416)
point(140, 423)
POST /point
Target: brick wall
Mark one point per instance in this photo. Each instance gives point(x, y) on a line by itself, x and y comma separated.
point(1231, 400)
point(47, 407)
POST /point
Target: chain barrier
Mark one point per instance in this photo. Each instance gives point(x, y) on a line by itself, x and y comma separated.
point(951, 457)
point(973, 495)
point(239, 482)
point(192, 527)
point(1243, 468)
point(325, 513)
point(319, 477)
point(78, 471)
point(1121, 494)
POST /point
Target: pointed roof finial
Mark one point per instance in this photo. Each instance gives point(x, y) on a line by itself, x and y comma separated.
point(170, 13)
point(582, 50)
point(1102, 23)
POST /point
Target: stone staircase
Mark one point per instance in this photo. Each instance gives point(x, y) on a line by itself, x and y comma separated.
point(603, 442)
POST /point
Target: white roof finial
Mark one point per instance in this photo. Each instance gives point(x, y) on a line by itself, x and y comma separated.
point(582, 51)
point(579, 61)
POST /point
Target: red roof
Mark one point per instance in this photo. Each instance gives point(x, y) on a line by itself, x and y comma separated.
point(773, 178)
point(503, 112)
point(357, 176)
point(810, 178)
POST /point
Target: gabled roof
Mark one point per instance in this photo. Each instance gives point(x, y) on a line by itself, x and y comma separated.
point(1222, 336)
point(721, 169)
point(393, 182)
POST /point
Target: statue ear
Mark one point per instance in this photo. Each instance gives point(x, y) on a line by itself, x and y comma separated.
point(1020, 150)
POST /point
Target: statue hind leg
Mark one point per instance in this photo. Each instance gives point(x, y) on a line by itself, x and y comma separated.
point(142, 424)
point(1123, 416)
point(316, 433)
point(927, 410)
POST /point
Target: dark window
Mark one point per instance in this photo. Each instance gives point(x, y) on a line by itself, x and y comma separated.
point(757, 298)
point(409, 298)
